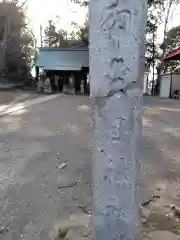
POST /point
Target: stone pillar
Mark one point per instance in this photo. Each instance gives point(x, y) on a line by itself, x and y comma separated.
point(65, 84)
point(116, 78)
point(37, 72)
point(85, 83)
point(82, 86)
point(47, 85)
point(40, 84)
point(72, 85)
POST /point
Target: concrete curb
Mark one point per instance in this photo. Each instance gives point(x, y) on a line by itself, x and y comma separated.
point(28, 103)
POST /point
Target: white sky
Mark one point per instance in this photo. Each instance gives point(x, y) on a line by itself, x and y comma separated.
point(174, 20)
point(40, 11)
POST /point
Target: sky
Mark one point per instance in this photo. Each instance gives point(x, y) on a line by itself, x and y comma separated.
point(40, 11)
point(174, 20)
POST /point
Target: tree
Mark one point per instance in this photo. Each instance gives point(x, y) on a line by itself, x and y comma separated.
point(171, 42)
point(3, 42)
point(172, 39)
point(168, 8)
point(153, 21)
point(18, 42)
point(81, 33)
point(116, 50)
point(54, 37)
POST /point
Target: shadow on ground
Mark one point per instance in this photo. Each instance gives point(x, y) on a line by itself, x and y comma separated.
point(35, 191)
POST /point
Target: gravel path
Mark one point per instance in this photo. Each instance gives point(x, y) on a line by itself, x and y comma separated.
point(160, 154)
point(35, 191)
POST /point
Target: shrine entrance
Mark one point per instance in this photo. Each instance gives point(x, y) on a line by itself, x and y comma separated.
point(69, 82)
point(67, 68)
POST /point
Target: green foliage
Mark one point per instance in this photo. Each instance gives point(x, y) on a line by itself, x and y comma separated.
point(163, 66)
point(54, 37)
point(81, 33)
point(171, 42)
point(18, 42)
point(172, 39)
point(154, 18)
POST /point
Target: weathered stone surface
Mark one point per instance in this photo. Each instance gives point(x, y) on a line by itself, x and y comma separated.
point(47, 86)
point(116, 62)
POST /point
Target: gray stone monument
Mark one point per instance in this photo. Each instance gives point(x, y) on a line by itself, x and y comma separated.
point(116, 75)
point(47, 85)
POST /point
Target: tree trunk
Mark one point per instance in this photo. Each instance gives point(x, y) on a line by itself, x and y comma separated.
point(116, 77)
point(3, 45)
point(163, 64)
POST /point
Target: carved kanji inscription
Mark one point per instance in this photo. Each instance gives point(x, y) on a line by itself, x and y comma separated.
point(116, 20)
point(116, 130)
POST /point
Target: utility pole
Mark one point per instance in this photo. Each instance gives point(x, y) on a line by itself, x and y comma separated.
point(153, 80)
point(116, 76)
point(41, 37)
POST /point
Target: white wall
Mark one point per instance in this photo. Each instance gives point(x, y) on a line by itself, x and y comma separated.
point(165, 86)
point(145, 87)
point(175, 82)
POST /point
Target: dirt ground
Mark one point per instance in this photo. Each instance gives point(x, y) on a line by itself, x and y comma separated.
point(160, 154)
point(46, 177)
point(9, 96)
point(35, 192)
